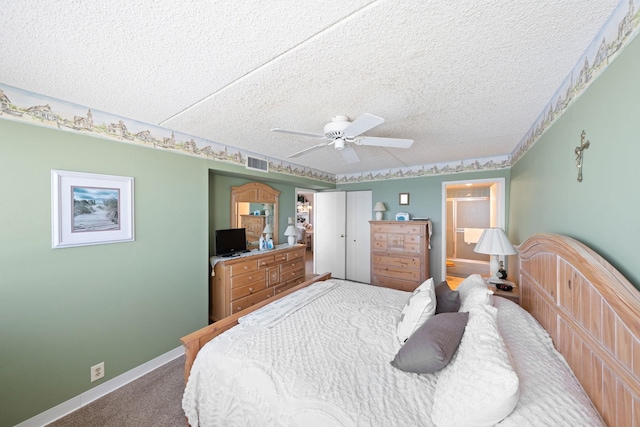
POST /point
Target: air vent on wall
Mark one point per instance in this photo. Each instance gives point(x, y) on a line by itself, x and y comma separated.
point(257, 164)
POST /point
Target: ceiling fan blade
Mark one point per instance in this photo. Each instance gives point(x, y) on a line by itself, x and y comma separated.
point(306, 150)
point(384, 142)
point(362, 124)
point(295, 132)
point(350, 155)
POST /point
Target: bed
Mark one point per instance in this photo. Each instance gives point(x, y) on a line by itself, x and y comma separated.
point(321, 354)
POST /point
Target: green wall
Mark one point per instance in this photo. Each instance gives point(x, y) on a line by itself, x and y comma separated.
point(602, 210)
point(64, 310)
point(425, 201)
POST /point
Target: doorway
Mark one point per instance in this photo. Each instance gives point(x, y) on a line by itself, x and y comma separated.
point(468, 208)
point(305, 203)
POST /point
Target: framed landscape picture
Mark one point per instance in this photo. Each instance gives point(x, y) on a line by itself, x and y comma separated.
point(90, 209)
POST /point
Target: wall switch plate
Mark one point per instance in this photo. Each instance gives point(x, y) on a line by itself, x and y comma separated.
point(97, 371)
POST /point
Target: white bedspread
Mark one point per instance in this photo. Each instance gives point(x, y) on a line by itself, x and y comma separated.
point(323, 360)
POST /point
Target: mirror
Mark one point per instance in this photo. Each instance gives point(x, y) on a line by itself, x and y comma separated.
point(253, 207)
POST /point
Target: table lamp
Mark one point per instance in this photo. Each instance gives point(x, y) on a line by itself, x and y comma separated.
point(494, 242)
point(379, 208)
point(268, 230)
point(290, 232)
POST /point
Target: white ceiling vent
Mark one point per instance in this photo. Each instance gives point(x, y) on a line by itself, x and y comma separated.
point(257, 164)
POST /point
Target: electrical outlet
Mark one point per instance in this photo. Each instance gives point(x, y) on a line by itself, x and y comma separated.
point(97, 371)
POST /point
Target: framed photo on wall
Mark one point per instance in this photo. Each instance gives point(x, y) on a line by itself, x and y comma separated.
point(90, 209)
point(404, 199)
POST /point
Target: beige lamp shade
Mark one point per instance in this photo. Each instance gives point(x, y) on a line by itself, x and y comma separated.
point(379, 208)
point(268, 231)
point(290, 232)
point(494, 242)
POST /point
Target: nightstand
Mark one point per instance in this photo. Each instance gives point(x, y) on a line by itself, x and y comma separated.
point(513, 295)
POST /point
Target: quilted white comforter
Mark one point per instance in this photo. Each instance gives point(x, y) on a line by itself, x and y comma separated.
point(320, 357)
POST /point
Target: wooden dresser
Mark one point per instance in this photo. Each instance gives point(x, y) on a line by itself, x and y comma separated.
point(399, 254)
point(240, 282)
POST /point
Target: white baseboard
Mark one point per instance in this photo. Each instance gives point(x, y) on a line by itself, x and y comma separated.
point(97, 392)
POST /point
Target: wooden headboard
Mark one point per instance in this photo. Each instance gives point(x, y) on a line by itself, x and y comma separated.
point(593, 315)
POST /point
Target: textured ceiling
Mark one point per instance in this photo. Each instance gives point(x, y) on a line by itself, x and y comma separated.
point(464, 79)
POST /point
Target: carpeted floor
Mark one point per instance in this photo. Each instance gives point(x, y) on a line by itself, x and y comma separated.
point(153, 400)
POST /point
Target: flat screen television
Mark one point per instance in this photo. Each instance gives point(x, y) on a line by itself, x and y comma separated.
point(230, 242)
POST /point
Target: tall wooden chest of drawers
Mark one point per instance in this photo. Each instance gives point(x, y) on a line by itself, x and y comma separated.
point(240, 282)
point(399, 254)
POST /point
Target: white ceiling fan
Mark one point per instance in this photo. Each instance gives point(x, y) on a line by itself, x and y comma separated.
point(340, 131)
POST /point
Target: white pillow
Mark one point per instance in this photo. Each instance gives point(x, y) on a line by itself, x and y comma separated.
point(471, 282)
point(476, 296)
point(420, 307)
point(479, 387)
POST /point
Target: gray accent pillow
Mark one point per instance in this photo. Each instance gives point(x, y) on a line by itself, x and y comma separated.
point(447, 300)
point(432, 345)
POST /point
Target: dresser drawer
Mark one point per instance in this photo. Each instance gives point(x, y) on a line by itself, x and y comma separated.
point(273, 275)
point(248, 289)
point(296, 255)
point(296, 273)
point(257, 276)
point(401, 228)
point(397, 273)
point(395, 283)
point(292, 265)
point(242, 303)
point(242, 267)
point(397, 242)
point(266, 261)
point(396, 261)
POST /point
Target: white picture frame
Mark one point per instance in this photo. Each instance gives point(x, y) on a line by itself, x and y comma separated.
point(90, 209)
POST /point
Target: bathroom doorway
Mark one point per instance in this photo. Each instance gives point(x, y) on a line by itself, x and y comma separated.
point(468, 208)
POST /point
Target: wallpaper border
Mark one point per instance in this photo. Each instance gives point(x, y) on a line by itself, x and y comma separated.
point(21, 105)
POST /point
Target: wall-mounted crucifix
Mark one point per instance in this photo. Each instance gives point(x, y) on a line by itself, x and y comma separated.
point(579, 152)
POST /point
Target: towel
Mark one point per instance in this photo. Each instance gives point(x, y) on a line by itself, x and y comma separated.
point(472, 235)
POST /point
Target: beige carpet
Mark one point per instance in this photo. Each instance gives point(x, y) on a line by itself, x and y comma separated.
point(154, 400)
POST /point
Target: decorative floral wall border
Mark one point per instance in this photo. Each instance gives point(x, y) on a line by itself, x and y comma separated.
point(18, 104)
point(22, 105)
point(621, 28)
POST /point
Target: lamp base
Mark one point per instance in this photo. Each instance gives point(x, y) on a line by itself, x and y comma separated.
point(494, 266)
point(378, 216)
point(291, 240)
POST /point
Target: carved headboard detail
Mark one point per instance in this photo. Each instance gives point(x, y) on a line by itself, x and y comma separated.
point(592, 313)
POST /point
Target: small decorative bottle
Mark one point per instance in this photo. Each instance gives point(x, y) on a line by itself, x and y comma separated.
point(262, 243)
point(270, 244)
point(502, 273)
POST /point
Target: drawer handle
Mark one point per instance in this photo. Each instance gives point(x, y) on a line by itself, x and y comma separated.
point(246, 267)
point(239, 308)
point(250, 289)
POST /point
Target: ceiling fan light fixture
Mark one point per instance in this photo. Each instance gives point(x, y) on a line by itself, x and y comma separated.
point(339, 144)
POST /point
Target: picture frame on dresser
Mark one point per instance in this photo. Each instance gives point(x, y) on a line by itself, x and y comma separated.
point(90, 209)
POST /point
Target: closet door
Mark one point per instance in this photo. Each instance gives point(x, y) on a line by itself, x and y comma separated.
point(358, 259)
point(329, 253)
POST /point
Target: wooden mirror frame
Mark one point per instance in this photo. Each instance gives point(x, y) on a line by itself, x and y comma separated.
point(254, 192)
